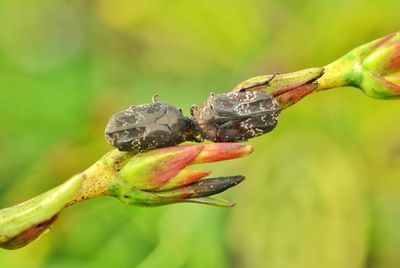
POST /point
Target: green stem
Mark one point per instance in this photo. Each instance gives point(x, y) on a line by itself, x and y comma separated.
point(335, 75)
point(100, 178)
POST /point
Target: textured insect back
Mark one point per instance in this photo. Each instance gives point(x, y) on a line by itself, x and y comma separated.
point(263, 112)
point(143, 127)
point(236, 116)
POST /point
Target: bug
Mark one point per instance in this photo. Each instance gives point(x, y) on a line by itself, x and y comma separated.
point(143, 127)
point(236, 116)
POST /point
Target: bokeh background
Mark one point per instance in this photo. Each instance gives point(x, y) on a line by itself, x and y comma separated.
point(322, 189)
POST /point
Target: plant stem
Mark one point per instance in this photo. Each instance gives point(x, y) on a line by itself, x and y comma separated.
point(335, 75)
point(99, 178)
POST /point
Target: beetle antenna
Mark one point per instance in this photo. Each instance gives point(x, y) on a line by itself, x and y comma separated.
point(193, 108)
point(154, 98)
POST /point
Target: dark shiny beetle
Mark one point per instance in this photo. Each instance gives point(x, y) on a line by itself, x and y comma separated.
point(236, 116)
point(143, 127)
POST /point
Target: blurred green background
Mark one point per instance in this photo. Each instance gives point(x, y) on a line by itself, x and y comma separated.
point(322, 189)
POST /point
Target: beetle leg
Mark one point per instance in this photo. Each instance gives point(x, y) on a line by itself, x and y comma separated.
point(197, 139)
point(154, 98)
point(192, 135)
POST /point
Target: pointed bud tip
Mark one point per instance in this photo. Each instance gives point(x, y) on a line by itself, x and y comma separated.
point(214, 186)
point(221, 151)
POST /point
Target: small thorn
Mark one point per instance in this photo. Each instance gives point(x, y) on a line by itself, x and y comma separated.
point(275, 75)
point(270, 79)
point(154, 98)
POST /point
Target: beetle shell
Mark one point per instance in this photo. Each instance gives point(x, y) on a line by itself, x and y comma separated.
point(143, 127)
point(236, 116)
